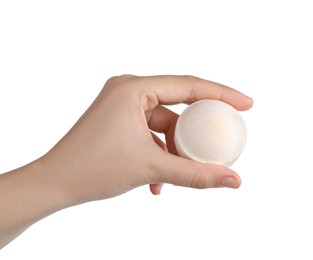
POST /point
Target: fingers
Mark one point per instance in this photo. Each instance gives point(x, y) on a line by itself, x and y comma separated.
point(188, 173)
point(181, 171)
point(173, 89)
point(164, 121)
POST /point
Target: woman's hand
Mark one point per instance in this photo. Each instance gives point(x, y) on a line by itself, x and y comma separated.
point(111, 150)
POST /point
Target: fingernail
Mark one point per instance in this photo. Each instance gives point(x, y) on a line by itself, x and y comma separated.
point(230, 182)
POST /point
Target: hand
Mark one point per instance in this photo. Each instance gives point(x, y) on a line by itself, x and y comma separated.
point(112, 150)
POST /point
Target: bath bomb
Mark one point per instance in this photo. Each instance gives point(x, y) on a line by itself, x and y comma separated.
point(210, 131)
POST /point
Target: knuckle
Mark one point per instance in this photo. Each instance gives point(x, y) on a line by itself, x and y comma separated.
point(117, 82)
point(189, 77)
point(124, 77)
point(120, 78)
point(200, 179)
point(111, 80)
point(191, 83)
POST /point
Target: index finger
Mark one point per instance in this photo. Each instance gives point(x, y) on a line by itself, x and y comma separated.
point(176, 89)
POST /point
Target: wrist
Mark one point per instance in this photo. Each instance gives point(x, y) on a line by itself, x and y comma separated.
point(27, 194)
point(51, 186)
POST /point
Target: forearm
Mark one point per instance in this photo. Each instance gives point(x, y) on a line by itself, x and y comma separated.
point(27, 195)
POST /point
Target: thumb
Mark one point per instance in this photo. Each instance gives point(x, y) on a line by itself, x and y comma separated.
point(184, 172)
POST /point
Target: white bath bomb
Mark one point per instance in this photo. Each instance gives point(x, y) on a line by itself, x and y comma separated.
point(210, 131)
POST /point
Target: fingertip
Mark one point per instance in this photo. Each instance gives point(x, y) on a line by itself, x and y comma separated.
point(249, 102)
point(156, 188)
point(246, 103)
point(231, 182)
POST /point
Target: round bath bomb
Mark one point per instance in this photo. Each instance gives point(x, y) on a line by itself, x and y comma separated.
point(210, 131)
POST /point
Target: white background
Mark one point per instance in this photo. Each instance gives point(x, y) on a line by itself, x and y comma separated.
point(55, 57)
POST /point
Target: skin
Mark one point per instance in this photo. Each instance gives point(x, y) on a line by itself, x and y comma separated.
point(111, 150)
